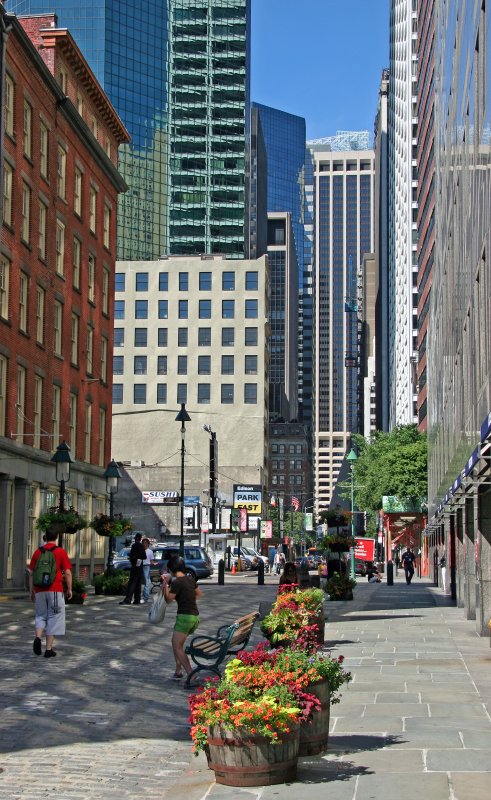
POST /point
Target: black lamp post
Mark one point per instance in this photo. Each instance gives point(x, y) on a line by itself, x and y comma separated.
point(112, 476)
point(213, 477)
point(182, 417)
point(62, 459)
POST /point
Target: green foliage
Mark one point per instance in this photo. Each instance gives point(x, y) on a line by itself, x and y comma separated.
point(105, 526)
point(392, 463)
point(111, 584)
point(53, 516)
point(339, 585)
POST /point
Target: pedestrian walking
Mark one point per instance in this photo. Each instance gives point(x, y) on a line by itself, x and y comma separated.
point(277, 560)
point(146, 569)
point(443, 567)
point(136, 557)
point(183, 589)
point(408, 559)
point(48, 565)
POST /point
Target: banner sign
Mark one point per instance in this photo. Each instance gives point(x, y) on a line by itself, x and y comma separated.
point(161, 498)
point(365, 549)
point(248, 497)
point(309, 522)
point(234, 520)
point(266, 529)
point(242, 520)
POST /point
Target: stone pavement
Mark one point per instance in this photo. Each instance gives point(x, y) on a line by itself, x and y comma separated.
point(104, 720)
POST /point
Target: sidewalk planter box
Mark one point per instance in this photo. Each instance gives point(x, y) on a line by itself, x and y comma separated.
point(242, 759)
point(345, 596)
point(314, 735)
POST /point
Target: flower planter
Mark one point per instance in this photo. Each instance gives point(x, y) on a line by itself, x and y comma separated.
point(58, 527)
point(314, 735)
point(345, 596)
point(320, 621)
point(240, 758)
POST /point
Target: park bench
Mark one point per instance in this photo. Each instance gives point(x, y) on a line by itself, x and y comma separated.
point(209, 652)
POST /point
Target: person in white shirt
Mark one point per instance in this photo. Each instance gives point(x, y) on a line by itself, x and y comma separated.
point(146, 569)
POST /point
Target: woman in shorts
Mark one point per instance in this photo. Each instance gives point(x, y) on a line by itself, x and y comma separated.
point(183, 589)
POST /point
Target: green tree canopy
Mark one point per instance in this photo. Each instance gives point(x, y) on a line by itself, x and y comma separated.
point(392, 463)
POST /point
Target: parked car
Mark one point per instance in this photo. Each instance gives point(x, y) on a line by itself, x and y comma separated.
point(121, 559)
point(197, 561)
point(250, 557)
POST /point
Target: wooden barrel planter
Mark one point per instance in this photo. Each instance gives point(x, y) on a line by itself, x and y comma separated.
point(314, 735)
point(242, 759)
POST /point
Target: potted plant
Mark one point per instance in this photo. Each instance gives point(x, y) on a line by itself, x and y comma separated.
point(338, 541)
point(292, 615)
point(105, 526)
point(239, 724)
point(340, 587)
point(67, 520)
point(79, 592)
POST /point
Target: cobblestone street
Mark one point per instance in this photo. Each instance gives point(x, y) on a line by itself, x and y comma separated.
point(104, 719)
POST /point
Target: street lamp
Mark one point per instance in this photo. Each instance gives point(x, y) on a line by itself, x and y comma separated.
point(112, 476)
point(352, 457)
point(182, 417)
point(213, 477)
point(62, 459)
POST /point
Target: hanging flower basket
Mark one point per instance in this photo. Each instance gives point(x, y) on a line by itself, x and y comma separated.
point(66, 521)
point(105, 526)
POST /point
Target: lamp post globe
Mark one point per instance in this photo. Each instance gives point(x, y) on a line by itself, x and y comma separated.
point(182, 417)
point(112, 475)
point(62, 459)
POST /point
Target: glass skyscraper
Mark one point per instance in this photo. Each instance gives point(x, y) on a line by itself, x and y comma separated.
point(128, 52)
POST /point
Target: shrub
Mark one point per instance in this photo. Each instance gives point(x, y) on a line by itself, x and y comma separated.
point(111, 584)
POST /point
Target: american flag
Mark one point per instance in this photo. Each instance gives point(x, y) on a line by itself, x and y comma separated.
point(295, 503)
point(272, 501)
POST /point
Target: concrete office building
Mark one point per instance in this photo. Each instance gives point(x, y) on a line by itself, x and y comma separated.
point(382, 257)
point(343, 234)
point(402, 213)
point(459, 351)
point(195, 331)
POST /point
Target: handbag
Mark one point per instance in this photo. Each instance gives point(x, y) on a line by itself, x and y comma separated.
point(156, 613)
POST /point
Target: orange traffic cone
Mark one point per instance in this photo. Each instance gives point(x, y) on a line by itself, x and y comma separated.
point(233, 569)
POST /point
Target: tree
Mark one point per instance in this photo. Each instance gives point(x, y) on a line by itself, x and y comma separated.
point(392, 463)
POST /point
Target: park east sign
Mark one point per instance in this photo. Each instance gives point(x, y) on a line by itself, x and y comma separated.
point(248, 497)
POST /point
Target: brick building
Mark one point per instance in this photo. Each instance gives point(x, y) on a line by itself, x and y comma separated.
point(60, 185)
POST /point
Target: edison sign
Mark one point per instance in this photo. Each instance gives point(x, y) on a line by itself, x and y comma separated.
point(248, 497)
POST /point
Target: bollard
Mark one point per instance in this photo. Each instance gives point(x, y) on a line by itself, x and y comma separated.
point(221, 572)
point(390, 573)
point(260, 573)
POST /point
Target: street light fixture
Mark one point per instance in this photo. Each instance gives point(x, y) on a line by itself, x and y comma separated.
point(213, 478)
point(351, 458)
point(112, 476)
point(62, 459)
point(182, 417)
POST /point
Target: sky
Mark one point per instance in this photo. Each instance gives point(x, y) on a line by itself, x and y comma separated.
point(320, 59)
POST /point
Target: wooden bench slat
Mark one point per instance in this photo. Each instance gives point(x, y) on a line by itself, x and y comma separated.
point(228, 641)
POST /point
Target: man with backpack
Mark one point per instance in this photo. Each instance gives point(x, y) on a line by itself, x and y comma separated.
point(48, 565)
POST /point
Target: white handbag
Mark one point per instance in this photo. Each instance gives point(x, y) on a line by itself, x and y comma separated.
point(156, 613)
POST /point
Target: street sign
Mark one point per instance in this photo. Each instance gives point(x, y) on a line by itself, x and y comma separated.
point(266, 529)
point(248, 497)
point(365, 549)
point(309, 522)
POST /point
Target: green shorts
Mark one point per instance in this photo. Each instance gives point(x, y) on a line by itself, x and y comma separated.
point(186, 623)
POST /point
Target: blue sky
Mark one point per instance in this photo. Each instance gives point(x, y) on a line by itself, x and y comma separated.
point(320, 59)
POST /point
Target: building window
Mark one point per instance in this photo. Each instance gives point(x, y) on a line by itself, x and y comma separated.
point(161, 393)
point(139, 393)
point(204, 365)
point(105, 290)
point(43, 149)
point(183, 309)
point(163, 309)
point(141, 282)
point(251, 365)
point(90, 350)
point(80, 104)
point(43, 216)
point(163, 281)
point(228, 281)
point(227, 365)
point(3, 393)
point(74, 340)
point(102, 436)
point(40, 306)
point(119, 309)
point(118, 365)
point(9, 105)
point(27, 130)
point(76, 259)
point(119, 282)
point(162, 337)
point(118, 337)
point(140, 365)
point(228, 309)
point(93, 209)
point(182, 365)
point(251, 309)
point(141, 309)
point(23, 292)
point(250, 338)
point(205, 281)
point(93, 125)
point(140, 337)
point(88, 430)
point(182, 337)
point(77, 193)
point(227, 393)
point(250, 393)
point(91, 278)
point(228, 337)
point(204, 393)
point(104, 351)
point(182, 393)
point(161, 365)
point(21, 403)
point(107, 227)
point(117, 393)
point(38, 410)
point(72, 424)
point(7, 193)
point(4, 287)
point(205, 309)
point(55, 413)
point(25, 228)
point(60, 248)
point(183, 281)
point(251, 281)
point(204, 337)
point(63, 81)
point(61, 173)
